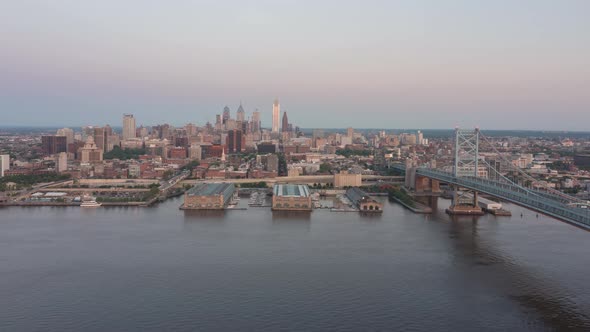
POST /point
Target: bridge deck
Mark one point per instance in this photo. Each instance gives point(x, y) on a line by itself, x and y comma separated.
point(538, 201)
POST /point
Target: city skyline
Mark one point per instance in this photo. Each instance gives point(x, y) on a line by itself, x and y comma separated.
point(407, 64)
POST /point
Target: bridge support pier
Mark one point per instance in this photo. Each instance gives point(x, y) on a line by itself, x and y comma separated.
point(430, 201)
point(464, 203)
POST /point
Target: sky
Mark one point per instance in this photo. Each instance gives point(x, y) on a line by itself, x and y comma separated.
point(499, 64)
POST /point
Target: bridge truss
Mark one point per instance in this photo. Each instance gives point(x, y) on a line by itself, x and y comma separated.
point(496, 175)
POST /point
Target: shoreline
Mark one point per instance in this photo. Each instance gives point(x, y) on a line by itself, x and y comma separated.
point(418, 209)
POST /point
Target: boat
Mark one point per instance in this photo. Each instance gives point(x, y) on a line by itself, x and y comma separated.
point(89, 201)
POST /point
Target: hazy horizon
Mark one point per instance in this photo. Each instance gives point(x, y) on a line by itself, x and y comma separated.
point(374, 64)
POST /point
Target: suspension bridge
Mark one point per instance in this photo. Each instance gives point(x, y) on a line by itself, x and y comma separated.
point(493, 175)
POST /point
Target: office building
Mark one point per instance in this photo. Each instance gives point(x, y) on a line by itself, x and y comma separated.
point(285, 124)
point(143, 132)
point(291, 197)
point(234, 141)
point(128, 127)
point(51, 144)
point(90, 153)
point(226, 114)
point(362, 201)
point(68, 133)
point(255, 122)
point(61, 163)
point(420, 138)
point(100, 138)
point(276, 114)
point(209, 196)
point(240, 114)
point(191, 129)
point(350, 132)
point(231, 124)
point(195, 152)
point(4, 164)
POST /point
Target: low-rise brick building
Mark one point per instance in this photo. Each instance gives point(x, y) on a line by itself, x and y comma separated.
point(209, 196)
point(291, 197)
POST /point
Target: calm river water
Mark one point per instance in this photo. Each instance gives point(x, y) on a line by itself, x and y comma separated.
point(122, 269)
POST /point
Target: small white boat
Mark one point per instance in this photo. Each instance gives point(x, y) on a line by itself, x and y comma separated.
point(89, 201)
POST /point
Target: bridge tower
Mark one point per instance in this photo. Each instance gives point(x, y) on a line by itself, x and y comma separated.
point(466, 165)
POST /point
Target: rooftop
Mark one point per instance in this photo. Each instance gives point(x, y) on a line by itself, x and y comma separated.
point(206, 189)
point(295, 190)
point(355, 195)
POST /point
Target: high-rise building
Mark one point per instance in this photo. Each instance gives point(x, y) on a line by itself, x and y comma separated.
point(234, 141)
point(285, 127)
point(276, 114)
point(52, 144)
point(68, 133)
point(100, 138)
point(143, 132)
point(195, 152)
point(62, 162)
point(226, 114)
point(240, 114)
point(128, 126)
point(103, 137)
point(87, 131)
point(4, 164)
point(349, 132)
point(255, 121)
point(231, 124)
point(90, 152)
point(191, 129)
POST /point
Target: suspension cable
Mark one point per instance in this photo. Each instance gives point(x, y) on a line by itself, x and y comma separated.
point(527, 176)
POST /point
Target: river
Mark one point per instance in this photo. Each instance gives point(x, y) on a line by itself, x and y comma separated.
point(160, 268)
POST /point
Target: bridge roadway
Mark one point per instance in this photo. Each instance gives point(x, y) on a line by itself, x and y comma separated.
point(537, 201)
point(298, 179)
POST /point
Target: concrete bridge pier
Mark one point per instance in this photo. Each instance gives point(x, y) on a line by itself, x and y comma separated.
point(464, 202)
point(430, 200)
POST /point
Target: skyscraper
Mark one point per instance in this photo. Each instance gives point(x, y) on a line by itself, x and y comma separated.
point(218, 124)
point(100, 138)
point(68, 133)
point(226, 114)
point(234, 141)
point(276, 114)
point(61, 162)
point(51, 144)
point(128, 126)
point(255, 121)
point(285, 126)
point(240, 114)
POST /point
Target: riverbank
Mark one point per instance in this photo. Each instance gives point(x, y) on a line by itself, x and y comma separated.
point(417, 208)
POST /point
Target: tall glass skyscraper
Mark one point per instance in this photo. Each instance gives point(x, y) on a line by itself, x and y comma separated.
point(276, 113)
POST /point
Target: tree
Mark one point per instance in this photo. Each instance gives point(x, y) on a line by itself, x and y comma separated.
point(349, 152)
point(325, 168)
point(123, 154)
